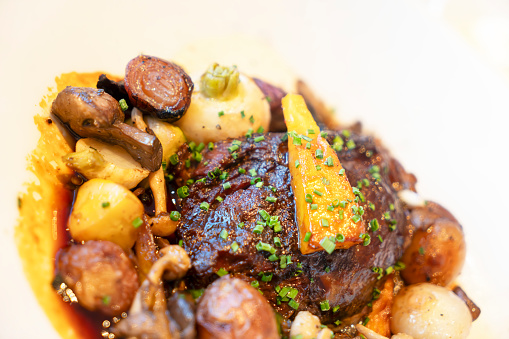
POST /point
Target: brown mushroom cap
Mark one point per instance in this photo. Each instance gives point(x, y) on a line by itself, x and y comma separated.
point(90, 112)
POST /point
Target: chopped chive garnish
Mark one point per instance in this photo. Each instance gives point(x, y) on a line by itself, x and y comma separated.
point(278, 227)
point(308, 145)
point(356, 218)
point(317, 192)
point(220, 114)
point(242, 171)
point(306, 138)
point(266, 277)
point(252, 172)
point(307, 236)
point(335, 203)
point(223, 234)
point(260, 138)
point(251, 119)
point(277, 241)
point(260, 129)
point(255, 283)
point(319, 154)
point(314, 206)
point(249, 133)
point(187, 163)
point(389, 270)
point(265, 216)
point(271, 199)
point(342, 171)
point(340, 237)
point(107, 299)
point(335, 309)
point(123, 105)
point(366, 239)
point(234, 246)
point(324, 305)
point(222, 272)
point(399, 266)
point(105, 204)
point(311, 131)
point(325, 222)
point(200, 147)
point(183, 192)
point(318, 167)
point(350, 144)
point(421, 251)
point(371, 206)
point(323, 134)
point(241, 225)
point(297, 141)
point(227, 185)
point(380, 238)
point(174, 215)
point(259, 184)
point(233, 148)
point(293, 304)
point(330, 208)
point(329, 162)
point(273, 257)
point(163, 165)
point(293, 292)
point(137, 222)
point(328, 245)
point(346, 133)
point(192, 146)
point(174, 159)
point(297, 163)
point(211, 146)
point(204, 206)
point(374, 225)
point(308, 198)
point(258, 229)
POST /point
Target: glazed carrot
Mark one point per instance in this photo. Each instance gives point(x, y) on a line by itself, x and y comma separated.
point(327, 212)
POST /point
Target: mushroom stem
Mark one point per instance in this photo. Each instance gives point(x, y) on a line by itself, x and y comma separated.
point(161, 223)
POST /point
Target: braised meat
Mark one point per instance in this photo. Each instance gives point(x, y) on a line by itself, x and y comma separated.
point(230, 185)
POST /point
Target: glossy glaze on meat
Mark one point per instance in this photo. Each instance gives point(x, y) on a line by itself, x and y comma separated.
point(345, 278)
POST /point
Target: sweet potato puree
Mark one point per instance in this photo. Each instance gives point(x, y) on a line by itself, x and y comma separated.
point(44, 209)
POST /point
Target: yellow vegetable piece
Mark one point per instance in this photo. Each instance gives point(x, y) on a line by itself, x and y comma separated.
point(324, 185)
point(104, 210)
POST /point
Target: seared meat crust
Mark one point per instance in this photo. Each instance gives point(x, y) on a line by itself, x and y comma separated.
point(345, 278)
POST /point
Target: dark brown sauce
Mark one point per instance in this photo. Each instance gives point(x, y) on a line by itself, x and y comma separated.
point(88, 324)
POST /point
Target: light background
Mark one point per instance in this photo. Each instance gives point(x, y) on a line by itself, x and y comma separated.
point(430, 78)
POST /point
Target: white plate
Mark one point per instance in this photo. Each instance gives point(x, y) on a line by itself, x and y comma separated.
point(406, 77)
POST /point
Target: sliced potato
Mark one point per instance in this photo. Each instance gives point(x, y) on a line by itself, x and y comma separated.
point(170, 136)
point(319, 182)
point(97, 159)
point(105, 210)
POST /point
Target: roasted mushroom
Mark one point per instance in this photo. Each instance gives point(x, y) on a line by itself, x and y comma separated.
point(158, 87)
point(90, 112)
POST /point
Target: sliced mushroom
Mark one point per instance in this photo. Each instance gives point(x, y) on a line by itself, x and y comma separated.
point(90, 112)
point(148, 316)
point(161, 223)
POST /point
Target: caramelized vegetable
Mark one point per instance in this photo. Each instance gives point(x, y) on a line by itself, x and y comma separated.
point(104, 210)
point(158, 87)
point(97, 159)
point(100, 274)
point(224, 106)
point(437, 251)
point(327, 213)
point(89, 112)
point(230, 308)
point(380, 316)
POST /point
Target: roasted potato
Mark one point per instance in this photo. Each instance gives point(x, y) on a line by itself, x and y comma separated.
point(104, 210)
